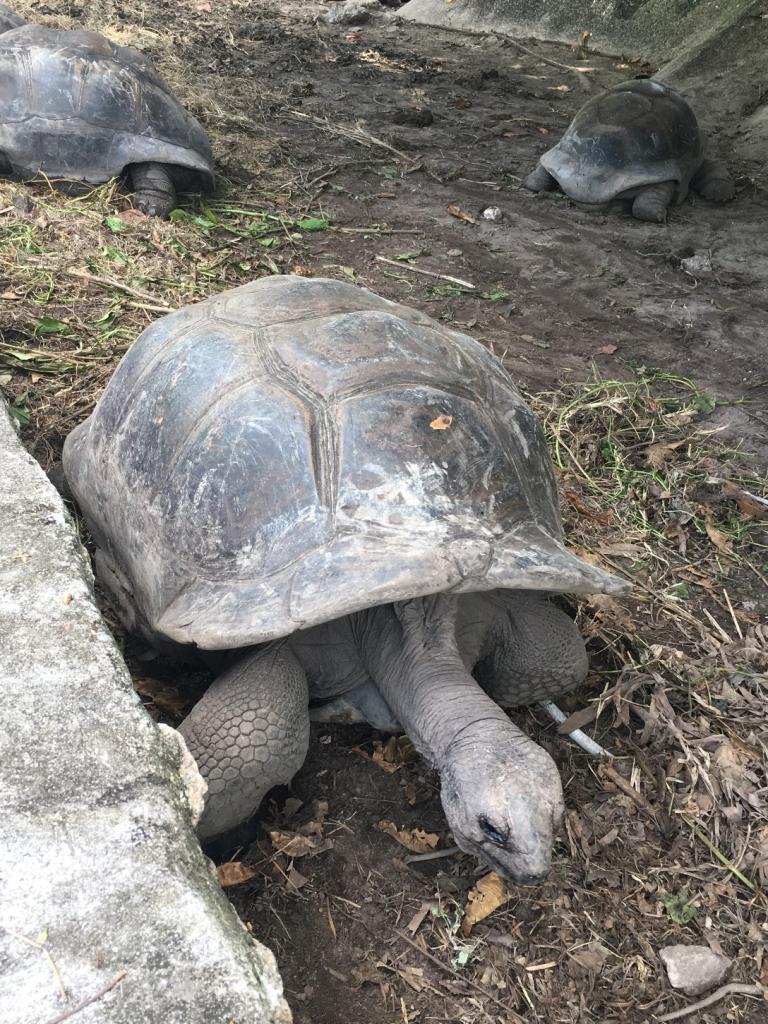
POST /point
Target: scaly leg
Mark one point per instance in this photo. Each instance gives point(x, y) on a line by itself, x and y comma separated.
point(652, 203)
point(713, 181)
point(248, 733)
point(534, 652)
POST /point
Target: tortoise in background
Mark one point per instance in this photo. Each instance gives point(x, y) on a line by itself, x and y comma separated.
point(78, 108)
point(355, 502)
point(639, 140)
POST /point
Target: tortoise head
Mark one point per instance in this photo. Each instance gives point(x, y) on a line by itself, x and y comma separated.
point(503, 798)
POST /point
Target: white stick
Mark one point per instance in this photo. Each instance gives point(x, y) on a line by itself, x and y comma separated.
point(585, 742)
point(430, 273)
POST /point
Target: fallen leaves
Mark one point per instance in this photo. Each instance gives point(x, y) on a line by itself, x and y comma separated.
point(721, 540)
point(414, 839)
point(441, 422)
point(488, 895)
point(583, 509)
point(456, 211)
point(234, 872)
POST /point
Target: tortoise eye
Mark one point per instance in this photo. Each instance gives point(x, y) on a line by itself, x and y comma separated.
point(495, 835)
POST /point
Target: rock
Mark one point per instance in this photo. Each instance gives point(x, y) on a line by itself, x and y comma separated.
point(351, 12)
point(699, 263)
point(491, 213)
point(195, 786)
point(694, 969)
point(100, 870)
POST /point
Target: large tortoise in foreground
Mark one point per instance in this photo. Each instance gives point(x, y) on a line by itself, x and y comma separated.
point(639, 140)
point(79, 108)
point(356, 500)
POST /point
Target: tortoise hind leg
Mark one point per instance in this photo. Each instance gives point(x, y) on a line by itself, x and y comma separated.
point(363, 703)
point(652, 203)
point(540, 180)
point(153, 185)
point(248, 733)
point(5, 164)
point(534, 651)
point(713, 181)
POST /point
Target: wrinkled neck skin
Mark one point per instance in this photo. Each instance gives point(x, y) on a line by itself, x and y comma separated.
point(501, 792)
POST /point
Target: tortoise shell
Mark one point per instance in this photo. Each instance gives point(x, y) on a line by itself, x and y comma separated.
point(636, 134)
point(76, 106)
point(296, 449)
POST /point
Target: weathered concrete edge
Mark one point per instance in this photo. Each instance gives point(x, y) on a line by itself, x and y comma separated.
point(100, 865)
point(653, 28)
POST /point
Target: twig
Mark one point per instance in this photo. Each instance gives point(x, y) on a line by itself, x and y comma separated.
point(546, 60)
point(467, 981)
point(733, 989)
point(91, 999)
point(40, 946)
point(415, 858)
point(608, 772)
point(733, 614)
point(429, 273)
point(109, 282)
point(585, 742)
point(724, 860)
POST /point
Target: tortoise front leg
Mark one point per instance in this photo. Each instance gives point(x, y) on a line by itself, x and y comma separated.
point(540, 180)
point(248, 733)
point(533, 653)
point(652, 203)
point(713, 181)
point(153, 185)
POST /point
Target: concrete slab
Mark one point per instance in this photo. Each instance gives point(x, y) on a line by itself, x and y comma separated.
point(100, 871)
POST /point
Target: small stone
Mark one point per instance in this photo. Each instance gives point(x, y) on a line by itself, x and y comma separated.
point(492, 213)
point(694, 969)
point(699, 263)
point(454, 252)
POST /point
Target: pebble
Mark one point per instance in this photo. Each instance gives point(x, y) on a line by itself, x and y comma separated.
point(694, 969)
point(492, 213)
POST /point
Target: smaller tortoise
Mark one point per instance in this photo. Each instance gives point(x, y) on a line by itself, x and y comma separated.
point(79, 108)
point(9, 19)
point(639, 140)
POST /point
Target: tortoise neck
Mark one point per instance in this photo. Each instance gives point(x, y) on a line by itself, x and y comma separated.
point(410, 651)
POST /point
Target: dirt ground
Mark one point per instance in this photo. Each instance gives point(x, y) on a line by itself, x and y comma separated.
point(369, 154)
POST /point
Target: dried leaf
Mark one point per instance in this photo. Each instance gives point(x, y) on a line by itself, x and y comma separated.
point(392, 755)
point(441, 422)
point(456, 211)
point(488, 895)
point(606, 350)
point(721, 540)
point(234, 872)
point(416, 921)
point(413, 977)
point(414, 839)
point(591, 957)
point(295, 878)
point(576, 501)
point(752, 508)
point(294, 845)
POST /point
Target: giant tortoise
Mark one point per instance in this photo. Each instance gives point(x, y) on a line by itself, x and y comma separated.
point(639, 140)
point(356, 501)
point(78, 108)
